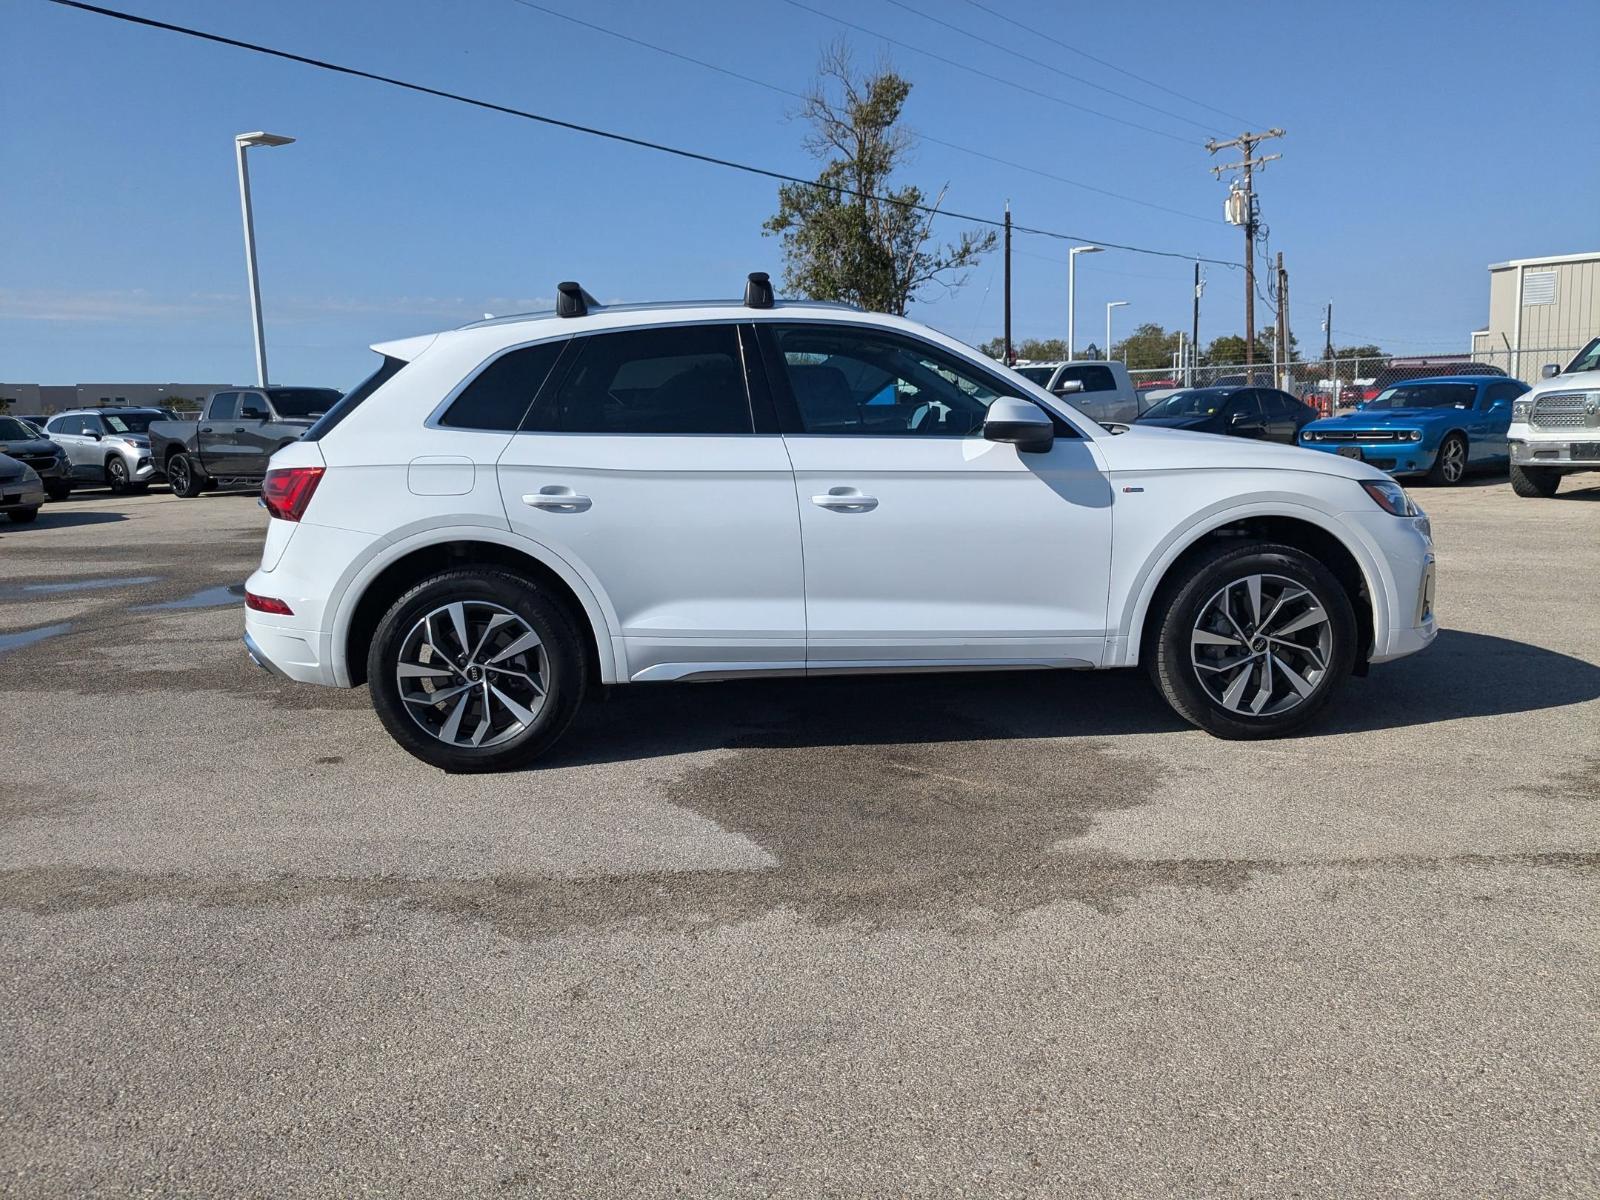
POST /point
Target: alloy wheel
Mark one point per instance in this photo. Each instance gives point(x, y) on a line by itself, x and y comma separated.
point(1454, 460)
point(472, 673)
point(178, 474)
point(1261, 645)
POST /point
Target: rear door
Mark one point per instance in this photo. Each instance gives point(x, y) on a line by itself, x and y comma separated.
point(217, 438)
point(651, 462)
point(83, 453)
point(1281, 411)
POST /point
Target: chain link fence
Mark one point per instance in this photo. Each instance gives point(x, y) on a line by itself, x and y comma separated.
point(1332, 384)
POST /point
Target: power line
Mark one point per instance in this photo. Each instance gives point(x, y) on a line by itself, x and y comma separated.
point(793, 95)
point(592, 131)
point(1050, 66)
point(1001, 79)
point(1028, 29)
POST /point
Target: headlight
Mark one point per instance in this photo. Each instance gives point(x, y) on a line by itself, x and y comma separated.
point(1521, 411)
point(131, 442)
point(29, 475)
point(1391, 497)
point(1311, 435)
point(1414, 435)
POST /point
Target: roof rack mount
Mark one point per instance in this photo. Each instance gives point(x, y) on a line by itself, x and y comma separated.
point(573, 301)
point(758, 290)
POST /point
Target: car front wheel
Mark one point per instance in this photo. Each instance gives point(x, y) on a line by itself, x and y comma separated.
point(476, 669)
point(1252, 641)
point(1533, 482)
point(117, 474)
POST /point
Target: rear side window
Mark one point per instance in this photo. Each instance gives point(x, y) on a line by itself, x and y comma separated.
point(224, 406)
point(1094, 379)
point(684, 379)
point(503, 392)
point(347, 403)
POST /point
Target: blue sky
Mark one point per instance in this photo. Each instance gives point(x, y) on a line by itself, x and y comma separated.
point(1424, 142)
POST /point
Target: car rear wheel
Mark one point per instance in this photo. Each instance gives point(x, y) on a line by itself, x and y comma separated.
point(23, 516)
point(1535, 481)
point(1450, 464)
point(476, 669)
point(1252, 641)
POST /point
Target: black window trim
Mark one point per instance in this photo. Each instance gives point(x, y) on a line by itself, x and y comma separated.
point(570, 355)
point(788, 409)
point(353, 399)
point(558, 367)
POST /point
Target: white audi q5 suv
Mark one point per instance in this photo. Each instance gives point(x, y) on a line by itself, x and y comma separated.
point(508, 514)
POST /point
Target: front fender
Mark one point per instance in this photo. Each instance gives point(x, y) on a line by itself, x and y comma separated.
point(1129, 623)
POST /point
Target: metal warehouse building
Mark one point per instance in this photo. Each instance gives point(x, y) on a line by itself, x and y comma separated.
point(1541, 310)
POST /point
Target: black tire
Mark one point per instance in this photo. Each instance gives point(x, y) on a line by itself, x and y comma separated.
point(117, 475)
point(24, 516)
point(57, 491)
point(1178, 610)
point(183, 477)
point(1535, 482)
point(564, 673)
point(1450, 464)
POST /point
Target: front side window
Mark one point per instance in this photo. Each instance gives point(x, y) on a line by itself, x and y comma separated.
point(503, 392)
point(862, 381)
point(679, 379)
point(1094, 379)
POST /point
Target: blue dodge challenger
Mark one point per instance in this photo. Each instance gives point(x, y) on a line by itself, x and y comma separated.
point(1442, 427)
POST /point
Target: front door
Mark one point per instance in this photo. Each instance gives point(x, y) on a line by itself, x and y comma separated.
point(640, 465)
point(250, 440)
point(924, 543)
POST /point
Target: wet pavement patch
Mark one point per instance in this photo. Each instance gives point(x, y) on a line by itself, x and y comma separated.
point(15, 641)
point(214, 597)
point(23, 591)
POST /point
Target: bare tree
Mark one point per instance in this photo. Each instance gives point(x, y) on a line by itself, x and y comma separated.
point(852, 235)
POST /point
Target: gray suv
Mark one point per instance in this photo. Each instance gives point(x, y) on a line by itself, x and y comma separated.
point(108, 445)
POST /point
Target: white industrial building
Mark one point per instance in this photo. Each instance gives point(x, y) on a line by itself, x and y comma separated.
point(1541, 310)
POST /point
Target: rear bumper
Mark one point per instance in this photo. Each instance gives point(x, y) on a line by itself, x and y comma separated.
point(297, 654)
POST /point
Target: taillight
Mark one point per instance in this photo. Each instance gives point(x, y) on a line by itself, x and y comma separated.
point(267, 604)
point(287, 490)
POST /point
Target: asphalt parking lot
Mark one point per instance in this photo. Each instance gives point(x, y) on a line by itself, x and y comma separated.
point(976, 935)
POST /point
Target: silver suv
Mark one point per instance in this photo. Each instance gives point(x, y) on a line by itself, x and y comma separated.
point(108, 445)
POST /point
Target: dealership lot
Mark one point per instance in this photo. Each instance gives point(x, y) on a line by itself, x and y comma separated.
point(986, 934)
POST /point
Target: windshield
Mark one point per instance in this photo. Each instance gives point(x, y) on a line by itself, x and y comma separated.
point(129, 422)
point(1039, 375)
point(1588, 359)
point(1194, 402)
point(1426, 395)
point(13, 430)
point(303, 402)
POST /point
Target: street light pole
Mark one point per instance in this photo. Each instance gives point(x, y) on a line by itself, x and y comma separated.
point(241, 143)
point(1109, 307)
point(1072, 293)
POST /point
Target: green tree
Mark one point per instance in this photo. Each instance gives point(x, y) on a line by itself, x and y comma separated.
point(866, 244)
point(1147, 348)
point(1228, 351)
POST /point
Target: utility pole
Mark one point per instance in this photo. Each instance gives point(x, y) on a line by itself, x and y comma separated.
point(1283, 323)
point(1194, 330)
point(1010, 358)
point(1244, 213)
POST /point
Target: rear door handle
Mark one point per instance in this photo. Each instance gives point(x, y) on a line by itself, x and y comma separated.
point(558, 499)
point(845, 499)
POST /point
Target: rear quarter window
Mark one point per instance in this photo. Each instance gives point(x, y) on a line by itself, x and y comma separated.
point(499, 397)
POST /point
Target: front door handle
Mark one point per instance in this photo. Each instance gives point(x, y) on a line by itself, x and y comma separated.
point(206, 429)
point(845, 499)
point(558, 499)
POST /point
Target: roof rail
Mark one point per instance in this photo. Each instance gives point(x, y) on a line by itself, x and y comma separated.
point(573, 301)
point(758, 290)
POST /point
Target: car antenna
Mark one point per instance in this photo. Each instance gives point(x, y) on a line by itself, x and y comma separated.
point(758, 290)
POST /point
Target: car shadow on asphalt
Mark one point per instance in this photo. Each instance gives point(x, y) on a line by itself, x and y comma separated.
point(51, 517)
point(1461, 675)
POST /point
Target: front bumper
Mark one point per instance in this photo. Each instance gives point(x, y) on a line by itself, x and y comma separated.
point(21, 493)
point(1403, 552)
point(1397, 458)
point(1576, 453)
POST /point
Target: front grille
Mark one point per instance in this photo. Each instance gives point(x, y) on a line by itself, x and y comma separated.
point(36, 460)
point(1561, 412)
point(1356, 435)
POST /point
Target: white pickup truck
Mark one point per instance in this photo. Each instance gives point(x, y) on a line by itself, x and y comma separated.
point(1555, 428)
point(1101, 390)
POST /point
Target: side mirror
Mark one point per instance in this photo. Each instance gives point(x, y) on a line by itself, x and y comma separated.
point(1549, 370)
point(1068, 387)
point(1024, 425)
point(1241, 418)
point(93, 435)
